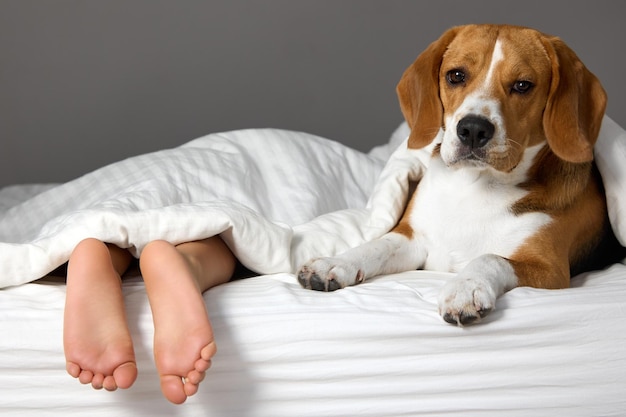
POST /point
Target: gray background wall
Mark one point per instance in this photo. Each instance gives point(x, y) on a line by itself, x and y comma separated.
point(87, 82)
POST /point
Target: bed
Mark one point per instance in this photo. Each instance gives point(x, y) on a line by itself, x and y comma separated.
point(376, 349)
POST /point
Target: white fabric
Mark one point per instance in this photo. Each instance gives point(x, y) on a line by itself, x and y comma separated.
point(251, 186)
point(610, 155)
point(377, 349)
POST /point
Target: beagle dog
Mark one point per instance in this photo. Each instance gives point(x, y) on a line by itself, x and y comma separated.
point(511, 196)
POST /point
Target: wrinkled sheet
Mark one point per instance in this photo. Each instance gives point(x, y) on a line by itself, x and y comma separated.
point(377, 349)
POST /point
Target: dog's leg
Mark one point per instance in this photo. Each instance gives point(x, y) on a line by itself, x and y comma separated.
point(391, 253)
point(472, 294)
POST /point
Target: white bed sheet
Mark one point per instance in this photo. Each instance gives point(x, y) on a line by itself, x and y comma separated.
point(377, 349)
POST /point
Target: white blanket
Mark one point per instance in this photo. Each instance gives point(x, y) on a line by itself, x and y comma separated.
point(264, 191)
point(277, 197)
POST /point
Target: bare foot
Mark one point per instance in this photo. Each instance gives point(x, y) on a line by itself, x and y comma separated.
point(97, 343)
point(183, 337)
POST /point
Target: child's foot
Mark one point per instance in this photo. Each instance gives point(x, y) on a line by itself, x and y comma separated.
point(183, 338)
point(97, 342)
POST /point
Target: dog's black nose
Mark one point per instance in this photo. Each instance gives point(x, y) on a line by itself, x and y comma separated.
point(475, 131)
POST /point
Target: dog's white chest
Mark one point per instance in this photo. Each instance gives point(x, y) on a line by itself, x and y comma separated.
point(461, 214)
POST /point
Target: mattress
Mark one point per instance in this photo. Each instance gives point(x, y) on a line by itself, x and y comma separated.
point(376, 349)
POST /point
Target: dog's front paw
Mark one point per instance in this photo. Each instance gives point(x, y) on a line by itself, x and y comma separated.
point(466, 300)
point(329, 274)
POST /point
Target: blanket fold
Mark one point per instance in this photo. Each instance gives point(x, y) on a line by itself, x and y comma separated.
point(277, 197)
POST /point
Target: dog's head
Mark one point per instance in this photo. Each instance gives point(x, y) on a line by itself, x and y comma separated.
point(496, 90)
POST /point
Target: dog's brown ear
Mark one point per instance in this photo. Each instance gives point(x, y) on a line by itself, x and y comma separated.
point(418, 92)
point(575, 107)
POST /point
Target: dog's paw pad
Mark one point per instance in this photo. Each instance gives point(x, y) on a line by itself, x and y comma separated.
point(465, 317)
point(319, 284)
point(464, 302)
point(328, 274)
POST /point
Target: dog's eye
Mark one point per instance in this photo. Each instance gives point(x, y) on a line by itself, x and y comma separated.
point(455, 76)
point(522, 87)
